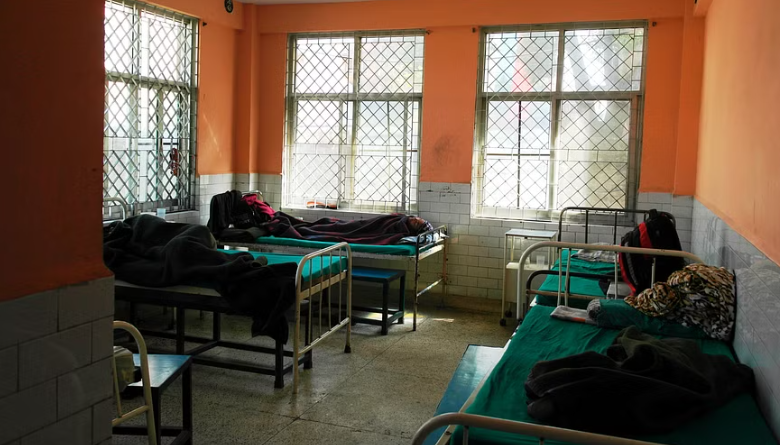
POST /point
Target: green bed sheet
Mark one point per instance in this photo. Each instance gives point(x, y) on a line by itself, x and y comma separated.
point(391, 249)
point(583, 286)
point(543, 338)
point(327, 264)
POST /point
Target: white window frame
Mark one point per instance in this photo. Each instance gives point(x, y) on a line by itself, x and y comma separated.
point(555, 98)
point(178, 153)
point(350, 105)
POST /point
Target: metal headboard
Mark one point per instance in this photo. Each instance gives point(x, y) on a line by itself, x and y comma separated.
point(122, 203)
point(616, 212)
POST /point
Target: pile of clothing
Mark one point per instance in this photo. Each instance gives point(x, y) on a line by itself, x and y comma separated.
point(642, 385)
point(697, 296)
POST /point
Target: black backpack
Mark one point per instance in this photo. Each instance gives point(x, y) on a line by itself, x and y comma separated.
point(657, 232)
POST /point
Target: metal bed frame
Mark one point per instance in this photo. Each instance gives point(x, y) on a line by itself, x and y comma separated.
point(439, 245)
point(603, 214)
point(542, 432)
point(205, 299)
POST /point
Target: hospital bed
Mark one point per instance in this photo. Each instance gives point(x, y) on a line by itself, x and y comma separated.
point(495, 412)
point(323, 283)
point(411, 254)
point(585, 216)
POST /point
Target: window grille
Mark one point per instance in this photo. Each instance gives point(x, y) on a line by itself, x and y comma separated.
point(353, 120)
point(150, 106)
point(558, 118)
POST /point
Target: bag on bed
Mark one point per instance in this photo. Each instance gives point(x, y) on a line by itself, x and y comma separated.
point(657, 232)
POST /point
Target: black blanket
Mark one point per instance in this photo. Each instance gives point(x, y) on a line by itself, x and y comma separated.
point(642, 386)
point(381, 230)
point(146, 251)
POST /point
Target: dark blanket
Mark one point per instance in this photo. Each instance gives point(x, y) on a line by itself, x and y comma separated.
point(146, 251)
point(641, 386)
point(234, 209)
point(381, 230)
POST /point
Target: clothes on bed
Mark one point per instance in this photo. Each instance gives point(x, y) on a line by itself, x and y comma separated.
point(146, 251)
point(233, 209)
point(697, 296)
point(381, 230)
point(642, 385)
point(617, 314)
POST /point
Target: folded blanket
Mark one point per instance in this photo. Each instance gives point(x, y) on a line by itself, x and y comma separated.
point(146, 251)
point(641, 386)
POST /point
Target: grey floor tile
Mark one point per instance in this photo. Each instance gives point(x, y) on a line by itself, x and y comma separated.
point(303, 432)
point(382, 402)
point(481, 329)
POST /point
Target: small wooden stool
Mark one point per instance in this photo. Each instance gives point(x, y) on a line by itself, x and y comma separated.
point(383, 277)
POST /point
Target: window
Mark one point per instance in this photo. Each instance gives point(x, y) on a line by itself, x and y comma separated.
point(353, 120)
point(558, 118)
point(150, 105)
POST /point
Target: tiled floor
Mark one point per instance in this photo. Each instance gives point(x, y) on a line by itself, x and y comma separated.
point(380, 393)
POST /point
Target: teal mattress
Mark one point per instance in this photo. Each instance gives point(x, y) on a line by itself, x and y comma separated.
point(543, 338)
point(391, 249)
point(582, 286)
point(326, 264)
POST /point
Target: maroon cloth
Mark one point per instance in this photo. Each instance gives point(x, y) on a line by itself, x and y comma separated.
point(259, 207)
point(382, 230)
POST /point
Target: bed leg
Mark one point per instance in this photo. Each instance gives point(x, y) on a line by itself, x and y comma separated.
point(416, 295)
point(216, 331)
point(180, 327)
point(385, 306)
point(308, 362)
point(279, 365)
point(402, 299)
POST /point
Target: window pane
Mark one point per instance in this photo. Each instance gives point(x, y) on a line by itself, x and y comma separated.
point(594, 155)
point(166, 48)
point(324, 65)
point(119, 38)
point(320, 122)
point(603, 60)
point(520, 62)
point(391, 64)
point(518, 127)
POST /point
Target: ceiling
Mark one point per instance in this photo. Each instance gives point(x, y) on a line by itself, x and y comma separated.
point(288, 2)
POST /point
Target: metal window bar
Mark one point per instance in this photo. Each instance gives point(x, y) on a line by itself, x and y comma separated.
point(354, 104)
point(150, 106)
point(558, 117)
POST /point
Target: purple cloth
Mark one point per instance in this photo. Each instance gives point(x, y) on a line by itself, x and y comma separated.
point(381, 230)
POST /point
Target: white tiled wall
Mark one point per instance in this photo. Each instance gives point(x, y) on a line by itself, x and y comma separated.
point(476, 250)
point(679, 206)
point(55, 368)
point(757, 333)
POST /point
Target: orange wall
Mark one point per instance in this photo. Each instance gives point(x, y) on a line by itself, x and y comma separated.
point(739, 150)
point(451, 63)
point(216, 82)
point(51, 119)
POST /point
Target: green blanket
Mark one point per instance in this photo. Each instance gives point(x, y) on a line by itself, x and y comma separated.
point(317, 265)
point(617, 314)
point(543, 338)
point(582, 286)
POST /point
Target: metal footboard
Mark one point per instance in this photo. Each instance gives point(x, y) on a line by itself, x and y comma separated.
point(317, 291)
point(563, 293)
point(542, 432)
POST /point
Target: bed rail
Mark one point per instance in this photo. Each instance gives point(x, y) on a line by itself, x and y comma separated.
point(542, 432)
point(521, 286)
point(122, 204)
point(318, 291)
point(439, 237)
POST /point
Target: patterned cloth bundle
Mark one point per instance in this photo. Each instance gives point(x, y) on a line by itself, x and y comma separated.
point(696, 296)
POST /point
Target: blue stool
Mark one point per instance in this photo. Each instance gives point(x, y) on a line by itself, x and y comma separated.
point(383, 277)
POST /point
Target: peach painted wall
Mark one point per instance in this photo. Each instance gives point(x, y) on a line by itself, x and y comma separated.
point(216, 96)
point(739, 150)
point(690, 104)
point(270, 117)
point(451, 63)
point(51, 119)
point(217, 80)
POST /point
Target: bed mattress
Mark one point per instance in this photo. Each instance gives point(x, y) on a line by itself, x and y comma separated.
point(543, 338)
point(391, 249)
point(582, 286)
point(325, 264)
